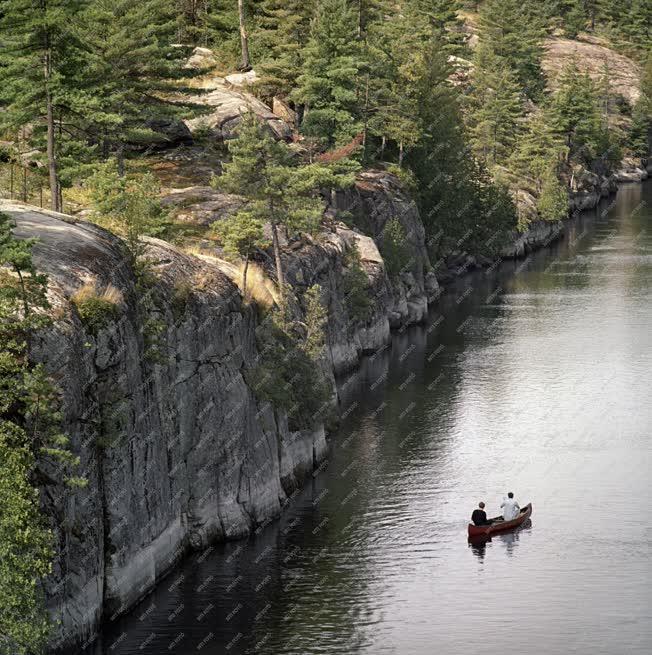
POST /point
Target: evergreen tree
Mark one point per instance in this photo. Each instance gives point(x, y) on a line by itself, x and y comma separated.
point(328, 85)
point(638, 140)
point(445, 23)
point(512, 31)
point(265, 173)
point(538, 151)
point(495, 107)
point(395, 48)
point(552, 203)
point(132, 72)
point(39, 48)
point(284, 26)
point(459, 202)
point(241, 235)
point(575, 117)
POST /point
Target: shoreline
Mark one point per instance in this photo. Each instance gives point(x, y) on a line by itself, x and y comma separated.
point(320, 463)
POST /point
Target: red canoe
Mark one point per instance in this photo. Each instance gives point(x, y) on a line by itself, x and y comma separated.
point(498, 525)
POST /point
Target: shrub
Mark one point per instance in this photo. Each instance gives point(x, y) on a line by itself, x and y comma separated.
point(395, 250)
point(97, 309)
point(288, 373)
point(552, 203)
point(355, 284)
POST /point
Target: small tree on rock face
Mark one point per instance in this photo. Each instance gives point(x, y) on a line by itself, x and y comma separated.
point(265, 173)
point(241, 235)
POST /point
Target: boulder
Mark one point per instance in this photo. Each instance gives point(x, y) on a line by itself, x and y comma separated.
point(240, 80)
point(226, 105)
point(201, 205)
point(168, 132)
point(201, 59)
point(281, 109)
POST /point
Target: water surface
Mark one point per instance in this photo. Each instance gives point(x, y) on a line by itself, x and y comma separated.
point(537, 380)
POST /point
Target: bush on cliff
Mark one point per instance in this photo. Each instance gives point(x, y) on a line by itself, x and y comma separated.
point(288, 373)
point(395, 249)
point(96, 308)
point(355, 284)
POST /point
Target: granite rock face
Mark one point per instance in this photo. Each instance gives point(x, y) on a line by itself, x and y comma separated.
point(177, 450)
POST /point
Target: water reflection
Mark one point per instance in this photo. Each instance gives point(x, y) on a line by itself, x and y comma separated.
point(537, 380)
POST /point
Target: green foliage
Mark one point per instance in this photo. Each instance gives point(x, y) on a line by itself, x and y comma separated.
point(327, 86)
point(131, 70)
point(514, 33)
point(279, 191)
point(30, 436)
point(355, 285)
point(283, 30)
point(288, 372)
point(131, 202)
point(575, 118)
point(395, 249)
point(96, 312)
point(539, 149)
point(240, 235)
point(552, 203)
point(460, 206)
point(638, 140)
point(495, 107)
point(25, 548)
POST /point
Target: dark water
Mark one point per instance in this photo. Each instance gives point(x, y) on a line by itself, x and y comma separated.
point(537, 380)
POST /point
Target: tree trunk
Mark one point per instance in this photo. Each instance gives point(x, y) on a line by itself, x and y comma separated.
point(400, 154)
point(245, 295)
point(120, 156)
point(366, 120)
point(277, 259)
point(51, 145)
point(383, 143)
point(245, 65)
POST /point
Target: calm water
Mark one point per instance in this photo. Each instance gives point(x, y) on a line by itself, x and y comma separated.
point(537, 380)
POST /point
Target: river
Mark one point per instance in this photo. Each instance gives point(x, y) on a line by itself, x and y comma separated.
point(536, 379)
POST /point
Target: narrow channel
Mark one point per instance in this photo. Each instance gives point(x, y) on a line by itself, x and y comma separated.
point(535, 379)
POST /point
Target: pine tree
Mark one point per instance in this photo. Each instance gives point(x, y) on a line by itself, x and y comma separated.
point(394, 48)
point(265, 173)
point(495, 107)
point(538, 151)
point(512, 31)
point(445, 23)
point(575, 117)
point(638, 139)
point(132, 71)
point(328, 84)
point(552, 203)
point(241, 235)
point(284, 26)
point(39, 48)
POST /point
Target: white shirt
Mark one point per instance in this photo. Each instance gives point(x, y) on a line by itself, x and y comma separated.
point(510, 509)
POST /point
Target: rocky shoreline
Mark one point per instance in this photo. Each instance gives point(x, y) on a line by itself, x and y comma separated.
point(180, 453)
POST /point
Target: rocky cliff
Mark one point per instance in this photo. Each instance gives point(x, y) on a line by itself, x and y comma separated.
point(177, 449)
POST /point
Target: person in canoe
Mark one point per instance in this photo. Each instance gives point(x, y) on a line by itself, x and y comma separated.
point(510, 507)
point(479, 516)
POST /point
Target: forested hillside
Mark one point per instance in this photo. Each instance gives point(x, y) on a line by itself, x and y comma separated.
point(490, 115)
